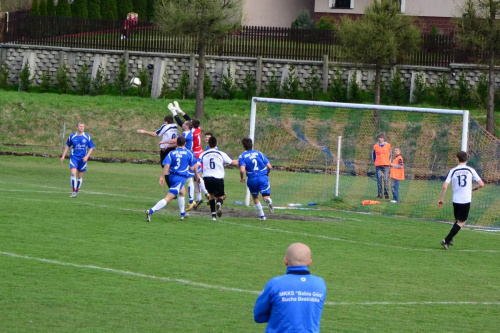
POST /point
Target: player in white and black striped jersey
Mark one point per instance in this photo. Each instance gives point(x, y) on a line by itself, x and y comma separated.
point(461, 177)
point(213, 161)
point(167, 131)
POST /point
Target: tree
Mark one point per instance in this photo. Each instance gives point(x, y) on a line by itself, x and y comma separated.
point(63, 9)
point(150, 10)
point(35, 9)
point(140, 7)
point(109, 9)
point(79, 8)
point(94, 9)
point(303, 21)
point(51, 8)
point(43, 7)
point(382, 37)
point(124, 7)
point(479, 29)
point(206, 21)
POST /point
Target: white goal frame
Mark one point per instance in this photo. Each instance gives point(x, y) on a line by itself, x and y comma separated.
point(255, 100)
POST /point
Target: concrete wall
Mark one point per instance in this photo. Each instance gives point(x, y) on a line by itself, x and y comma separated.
point(274, 13)
point(50, 58)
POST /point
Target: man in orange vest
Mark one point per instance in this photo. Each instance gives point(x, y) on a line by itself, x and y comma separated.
point(397, 174)
point(382, 158)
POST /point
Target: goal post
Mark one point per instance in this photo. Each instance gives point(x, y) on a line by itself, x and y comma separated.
point(310, 165)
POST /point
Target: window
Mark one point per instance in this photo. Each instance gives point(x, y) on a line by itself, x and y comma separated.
point(346, 4)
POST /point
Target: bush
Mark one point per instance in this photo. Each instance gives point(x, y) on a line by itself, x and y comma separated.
point(46, 82)
point(227, 89)
point(62, 79)
point(481, 92)
point(397, 91)
point(83, 80)
point(183, 87)
point(442, 91)
point(4, 77)
point(165, 91)
point(420, 88)
point(336, 91)
point(325, 23)
point(291, 86)
point(144, 90)
point(303, 20)
point(98, 83)
point(313, 86)
point(354, 91)
point(25, 80)
point(273, 87)
point(463, 93)
point(121, 82)
point(249, 86)
point(207, 85)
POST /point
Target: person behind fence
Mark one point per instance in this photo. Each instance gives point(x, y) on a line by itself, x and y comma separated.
point(130, 23)
point(292, 302)
point(382, 158)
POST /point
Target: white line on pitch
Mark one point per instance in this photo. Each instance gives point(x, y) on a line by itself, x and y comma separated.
point(210, 286)
point(349, 240)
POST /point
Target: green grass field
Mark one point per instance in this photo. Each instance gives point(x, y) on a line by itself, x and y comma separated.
point(92, 264)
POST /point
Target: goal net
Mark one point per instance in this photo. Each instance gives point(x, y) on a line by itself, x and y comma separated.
point(301, 139)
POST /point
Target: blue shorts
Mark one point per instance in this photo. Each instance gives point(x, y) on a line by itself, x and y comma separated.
point(191, 172)
point(77, 163)
point(176, 183)
point(258, 185)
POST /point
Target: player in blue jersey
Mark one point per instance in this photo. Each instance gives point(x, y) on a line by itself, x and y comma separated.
point(292, 302)
point(177, 165)
point(257, 168)
point(461, 177)
point(81, 147)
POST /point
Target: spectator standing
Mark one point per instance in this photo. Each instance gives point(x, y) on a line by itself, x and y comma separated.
point(382, 158)
point(397, 174)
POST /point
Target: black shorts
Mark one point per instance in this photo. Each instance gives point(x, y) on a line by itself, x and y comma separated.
point(164, 153)
point(214, 186)
point(461, 211)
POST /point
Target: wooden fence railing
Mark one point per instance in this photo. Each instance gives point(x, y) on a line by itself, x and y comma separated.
point(268, 42)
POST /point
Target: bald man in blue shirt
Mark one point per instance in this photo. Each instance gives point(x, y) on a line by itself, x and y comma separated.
point(292, 302)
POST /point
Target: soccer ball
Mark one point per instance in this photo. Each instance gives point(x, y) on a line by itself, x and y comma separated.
point(135, 82)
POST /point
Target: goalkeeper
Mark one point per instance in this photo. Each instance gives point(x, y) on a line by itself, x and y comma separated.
point(257, 168)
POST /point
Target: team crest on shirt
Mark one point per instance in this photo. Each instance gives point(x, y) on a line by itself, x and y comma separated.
point(84, 141)
point(303, 279)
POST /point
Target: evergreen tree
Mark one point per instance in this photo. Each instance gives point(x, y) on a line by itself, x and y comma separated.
point(109, 9)
point(150, 10)
point(94, 9)
point(124, 7)
point(51, 8)
point(141, 8)
point(35, 9)
point(43, 7)
point(63, 9)
point(79, 8)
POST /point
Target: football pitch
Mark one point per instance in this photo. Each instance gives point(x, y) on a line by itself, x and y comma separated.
point(92, 264)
